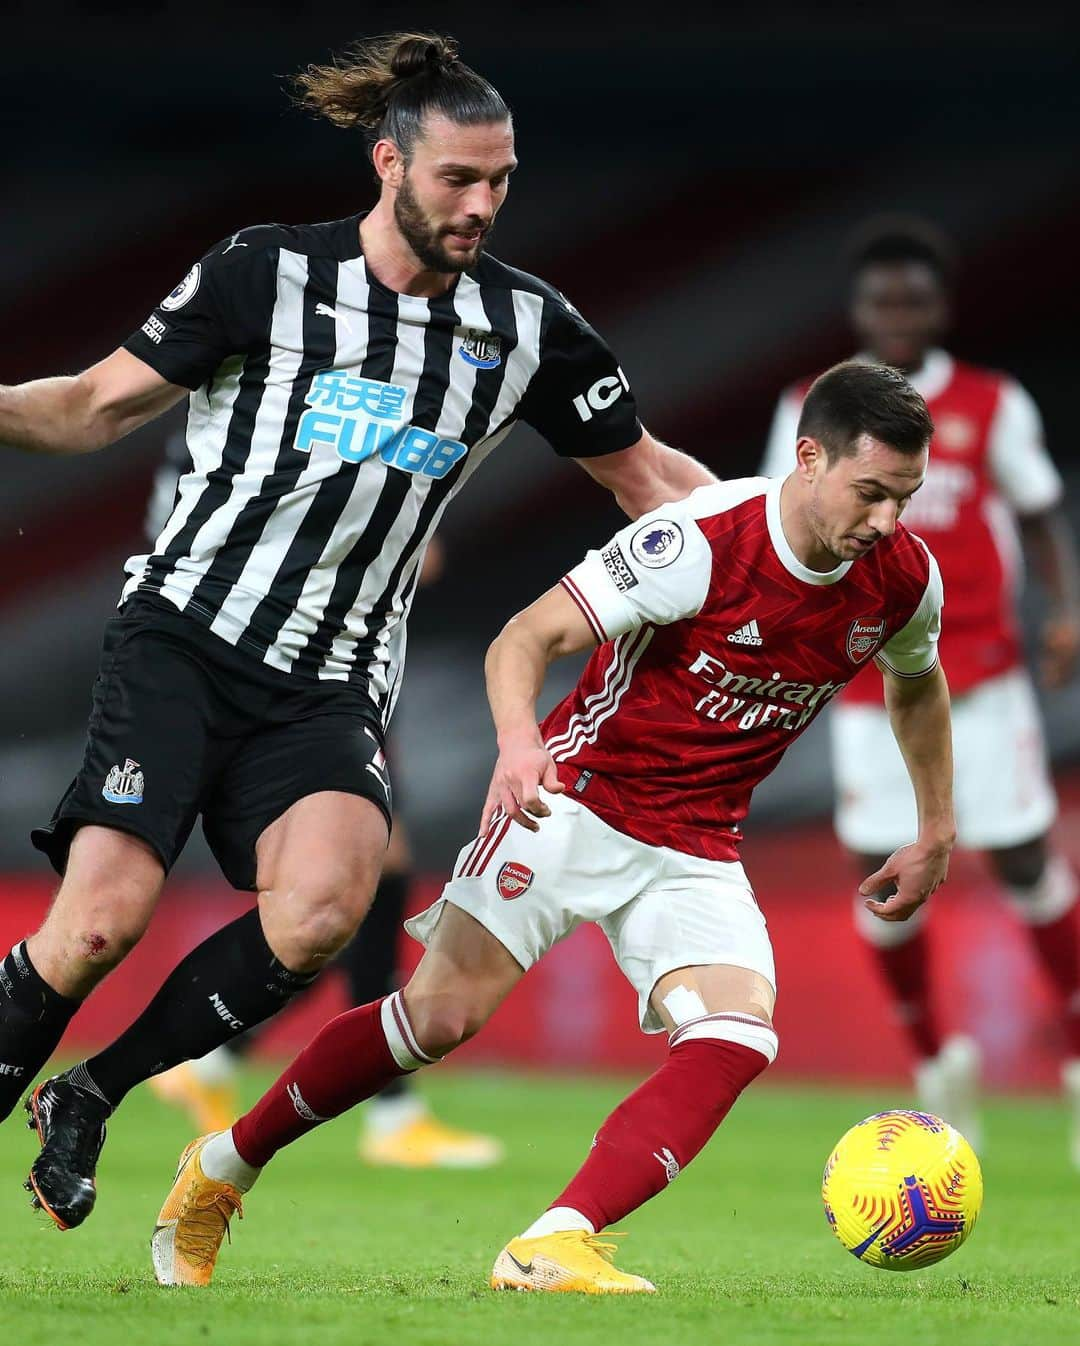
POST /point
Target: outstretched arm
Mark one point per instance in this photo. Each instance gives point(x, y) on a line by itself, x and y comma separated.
point(516, 664)
point(647, 474)
point(919, 714)
point(86, 411)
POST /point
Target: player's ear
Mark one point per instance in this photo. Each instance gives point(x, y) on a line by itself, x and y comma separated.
point(809, 457)
point(389, 163)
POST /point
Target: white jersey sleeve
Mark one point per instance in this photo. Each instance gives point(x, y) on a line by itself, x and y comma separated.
point(779, 457)
point(1022, 469)
point(656, 569)
point(912, 652)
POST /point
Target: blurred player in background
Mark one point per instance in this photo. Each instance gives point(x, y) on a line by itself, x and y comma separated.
point(988, 471)
point(724, 623)
point(399, 1128)
point(344, 381)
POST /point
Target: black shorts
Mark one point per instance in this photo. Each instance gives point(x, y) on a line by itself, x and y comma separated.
point(183, 723)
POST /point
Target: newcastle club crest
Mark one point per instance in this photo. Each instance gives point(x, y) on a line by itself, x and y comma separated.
point(482, 349)
point(863, 638)
point(124, 785)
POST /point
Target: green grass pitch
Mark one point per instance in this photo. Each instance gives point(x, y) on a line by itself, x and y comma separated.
point(333, 1252)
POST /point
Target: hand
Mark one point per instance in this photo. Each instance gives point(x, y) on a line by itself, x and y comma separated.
point(522, 769)
point(1060, 649)
point(917, 871)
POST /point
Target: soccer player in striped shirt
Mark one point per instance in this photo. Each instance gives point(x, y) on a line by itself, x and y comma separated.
point(640, 780)
point(344, 381)
point(399, 1129)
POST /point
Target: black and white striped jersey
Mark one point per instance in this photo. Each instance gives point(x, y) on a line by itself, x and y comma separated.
point(330, 422)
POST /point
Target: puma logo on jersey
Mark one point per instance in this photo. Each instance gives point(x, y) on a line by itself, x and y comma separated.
point(746, 635)
point(325, 311)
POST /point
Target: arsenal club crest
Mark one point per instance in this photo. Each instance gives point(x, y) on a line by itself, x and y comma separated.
point(863, 638)
point(513, 880)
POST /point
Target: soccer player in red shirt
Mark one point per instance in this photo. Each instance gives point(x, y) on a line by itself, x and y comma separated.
point(721, 625)
point(988, 472)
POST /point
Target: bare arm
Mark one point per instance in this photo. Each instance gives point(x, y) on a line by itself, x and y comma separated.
point(919, 714)
point(1049, 541)
point(647, 474)
point(86, 411)
point(516, 664)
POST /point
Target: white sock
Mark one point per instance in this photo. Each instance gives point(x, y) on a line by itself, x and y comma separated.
point(383, 1116)
point(221, 1162)
point(557, 1221)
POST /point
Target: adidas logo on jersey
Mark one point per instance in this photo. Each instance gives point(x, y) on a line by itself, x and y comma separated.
point(746, 635)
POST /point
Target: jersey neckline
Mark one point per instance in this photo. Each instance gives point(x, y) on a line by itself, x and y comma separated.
point(416, 301)
point(782, 546)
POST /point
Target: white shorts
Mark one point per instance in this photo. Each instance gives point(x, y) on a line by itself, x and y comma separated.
point(659, 908)
point(1003, 792)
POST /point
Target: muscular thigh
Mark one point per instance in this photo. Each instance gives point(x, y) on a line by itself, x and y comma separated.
point(331, 842)
point(690, 992)
point(319, 759)
point(463, 977)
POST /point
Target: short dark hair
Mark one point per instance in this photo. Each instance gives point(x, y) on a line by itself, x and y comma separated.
point(886, 239)
point(859, 398)
point(387, 85)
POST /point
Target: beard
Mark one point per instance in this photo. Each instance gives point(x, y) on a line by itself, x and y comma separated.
point(426, 241)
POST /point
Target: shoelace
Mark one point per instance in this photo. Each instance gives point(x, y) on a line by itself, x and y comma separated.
point(601, 1246)
point(204, 1222)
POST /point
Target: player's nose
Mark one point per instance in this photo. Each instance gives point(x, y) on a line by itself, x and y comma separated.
point(883, 517)
point(479, 203)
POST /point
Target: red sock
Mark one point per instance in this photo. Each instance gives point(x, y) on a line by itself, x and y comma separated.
point(348, 1060)
point(906, 970)
point(662, 1125)
point(1049, 909)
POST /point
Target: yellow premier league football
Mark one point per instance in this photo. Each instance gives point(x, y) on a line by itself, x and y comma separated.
point(902, 1190)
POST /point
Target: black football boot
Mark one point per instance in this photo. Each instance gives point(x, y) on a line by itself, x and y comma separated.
point(70, 1123)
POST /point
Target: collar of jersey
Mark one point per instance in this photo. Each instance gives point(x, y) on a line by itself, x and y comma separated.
point(782, 546)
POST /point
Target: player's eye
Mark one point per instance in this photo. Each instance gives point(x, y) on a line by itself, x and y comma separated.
point(869, 497)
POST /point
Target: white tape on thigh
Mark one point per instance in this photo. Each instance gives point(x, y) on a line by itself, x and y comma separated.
point(744, 1029)
point(684, 1004)
point(886, 934)
point(1048, 899)
point(399, 1035)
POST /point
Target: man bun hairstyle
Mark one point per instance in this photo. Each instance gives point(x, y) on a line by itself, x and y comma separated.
point(387, 85)
point(886, 239)
point(857, 398)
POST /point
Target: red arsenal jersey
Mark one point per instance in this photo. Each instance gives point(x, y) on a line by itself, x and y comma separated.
point(987, 465)
point(719, 648)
